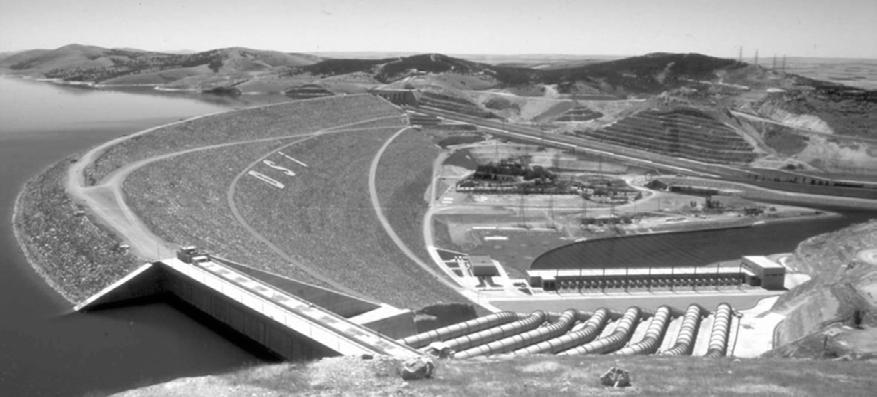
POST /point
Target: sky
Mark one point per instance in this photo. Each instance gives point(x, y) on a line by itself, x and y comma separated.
point(811, 28)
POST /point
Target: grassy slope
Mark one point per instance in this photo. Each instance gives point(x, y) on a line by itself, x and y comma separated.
point(262, 122)
point(404, 175)
point(539, 376)
point(183, 200)
point(76, 256)
point(324, 218)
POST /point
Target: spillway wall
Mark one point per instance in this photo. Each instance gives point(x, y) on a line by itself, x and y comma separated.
point(282, 341)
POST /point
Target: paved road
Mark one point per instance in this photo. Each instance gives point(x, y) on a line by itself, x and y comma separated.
point(376, 204)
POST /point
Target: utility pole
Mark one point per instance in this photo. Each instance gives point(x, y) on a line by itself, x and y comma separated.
point(740, 55)
point(784, 63)
point(774, 64)
point(551, 222)
point(523, 217)
point(717, 277)
point(756, 57)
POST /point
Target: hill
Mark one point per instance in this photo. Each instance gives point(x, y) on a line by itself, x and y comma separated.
point(648, 74)
point(535, 376)
point(76, 62)
point(652, 73)
point(835, 313)
point(783, 111)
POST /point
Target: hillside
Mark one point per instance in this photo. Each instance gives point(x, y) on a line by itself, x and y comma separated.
point(535, 376)
point(835, 313)
point(77, 62)
point(652, 73)
point(647, 74)
point(781, 111)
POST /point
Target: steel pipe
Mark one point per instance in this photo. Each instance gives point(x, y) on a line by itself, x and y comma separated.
point(612, 342)
point(590, 329)
point(559, 327)
point(652, 339)
point(464, 342)
point(687, 333)
point(719, 333)
point(455, 330)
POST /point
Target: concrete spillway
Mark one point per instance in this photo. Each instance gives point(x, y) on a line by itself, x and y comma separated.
point(288, 325)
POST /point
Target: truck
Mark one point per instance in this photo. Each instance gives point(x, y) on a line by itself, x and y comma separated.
point(191, 254)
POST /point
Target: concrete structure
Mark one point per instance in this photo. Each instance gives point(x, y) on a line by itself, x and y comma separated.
point(767, 273)
point(654, 277)
point(482, 266)
point(292, 327)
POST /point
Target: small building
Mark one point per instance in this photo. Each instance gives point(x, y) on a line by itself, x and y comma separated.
point(483, 266)
point(767, 272)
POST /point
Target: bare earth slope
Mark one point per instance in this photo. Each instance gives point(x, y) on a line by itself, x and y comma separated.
point(835, 313)
point(536, 376)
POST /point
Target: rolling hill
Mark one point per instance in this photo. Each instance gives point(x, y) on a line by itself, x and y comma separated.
point(649, 74)
point(76, 62)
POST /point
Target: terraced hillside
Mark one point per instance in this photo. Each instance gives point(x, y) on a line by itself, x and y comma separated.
point(288, 194)
point(452, 103)
point(687, 133)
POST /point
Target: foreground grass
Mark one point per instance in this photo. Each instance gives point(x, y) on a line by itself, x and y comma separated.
point(539, 376)
point(75, 256)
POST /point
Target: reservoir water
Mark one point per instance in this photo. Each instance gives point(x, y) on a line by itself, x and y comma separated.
point(694, 248)
point(45, 348)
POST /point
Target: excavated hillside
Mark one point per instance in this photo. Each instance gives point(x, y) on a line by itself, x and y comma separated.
point(835, 313)
point(825, 108)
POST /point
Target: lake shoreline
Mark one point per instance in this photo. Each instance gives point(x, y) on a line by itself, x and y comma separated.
point(35, 263)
